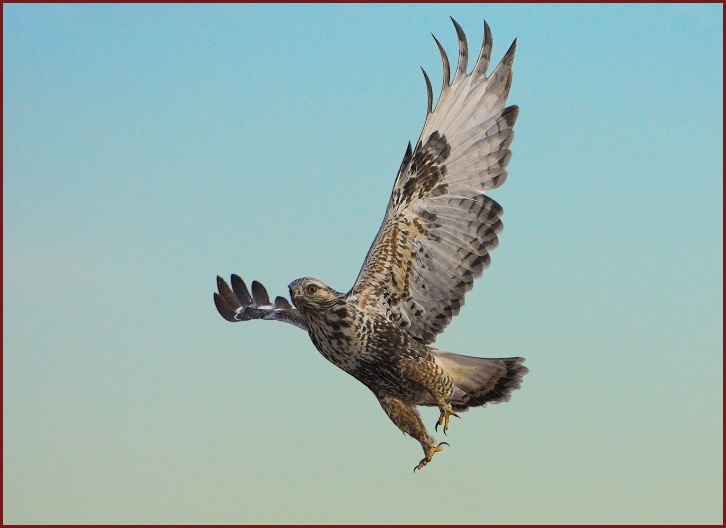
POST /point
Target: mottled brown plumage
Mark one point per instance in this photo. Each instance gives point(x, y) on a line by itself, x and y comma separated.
point(435, 239)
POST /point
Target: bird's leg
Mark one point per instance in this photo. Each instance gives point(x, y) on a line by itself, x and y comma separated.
point(429, 455)
point(446, 412)
point(437, 383)
point(408, 420)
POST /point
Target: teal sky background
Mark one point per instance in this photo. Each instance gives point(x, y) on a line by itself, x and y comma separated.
point(148, 148)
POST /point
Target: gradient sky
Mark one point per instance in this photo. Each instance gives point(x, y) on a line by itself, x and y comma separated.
point(148, 148)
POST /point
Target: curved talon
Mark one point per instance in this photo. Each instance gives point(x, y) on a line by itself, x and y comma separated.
point(444, 419)
point(429, 455)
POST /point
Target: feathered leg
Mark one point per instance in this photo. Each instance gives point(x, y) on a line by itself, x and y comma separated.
point(437, 382)
point(407, 419)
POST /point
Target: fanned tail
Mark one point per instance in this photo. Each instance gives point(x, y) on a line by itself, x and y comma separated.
point(481, 380)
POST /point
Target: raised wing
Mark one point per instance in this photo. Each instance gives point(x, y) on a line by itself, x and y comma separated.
point(439, 227)
point(236, 304)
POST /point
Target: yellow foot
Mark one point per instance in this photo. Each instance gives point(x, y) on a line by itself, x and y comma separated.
point(444, 418)
point(429, 455)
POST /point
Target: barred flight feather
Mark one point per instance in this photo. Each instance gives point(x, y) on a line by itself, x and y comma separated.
point(436, 238)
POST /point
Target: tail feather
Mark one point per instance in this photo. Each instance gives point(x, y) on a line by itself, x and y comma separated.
point(481, 380)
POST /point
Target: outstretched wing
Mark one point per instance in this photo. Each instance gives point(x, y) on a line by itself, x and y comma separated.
point(236, 304)
point(439, 227)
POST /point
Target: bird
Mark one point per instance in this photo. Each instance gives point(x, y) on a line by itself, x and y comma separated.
point(435, 239)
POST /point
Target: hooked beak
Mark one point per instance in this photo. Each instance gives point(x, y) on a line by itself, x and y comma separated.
point(296, 292)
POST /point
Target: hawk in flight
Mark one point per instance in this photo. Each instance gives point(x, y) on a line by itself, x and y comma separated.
point(435, 239)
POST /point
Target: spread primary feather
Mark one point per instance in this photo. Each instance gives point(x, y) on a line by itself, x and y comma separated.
point(435, 239)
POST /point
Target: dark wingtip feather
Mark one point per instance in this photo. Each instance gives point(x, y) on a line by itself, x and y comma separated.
point(223, 308)
point(429, 92)
point(510, 115)
point(463, 49)
point(445, 61)
point(485, 54)
point(504, 68)
point(282, 304)
point(508, 58)
point(259, 295)
point(240, 290)
point(227, 295)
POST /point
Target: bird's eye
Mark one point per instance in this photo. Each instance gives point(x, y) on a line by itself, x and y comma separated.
point(311, 289)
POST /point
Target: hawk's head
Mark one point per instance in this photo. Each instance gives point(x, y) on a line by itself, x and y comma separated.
point(309, 294)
